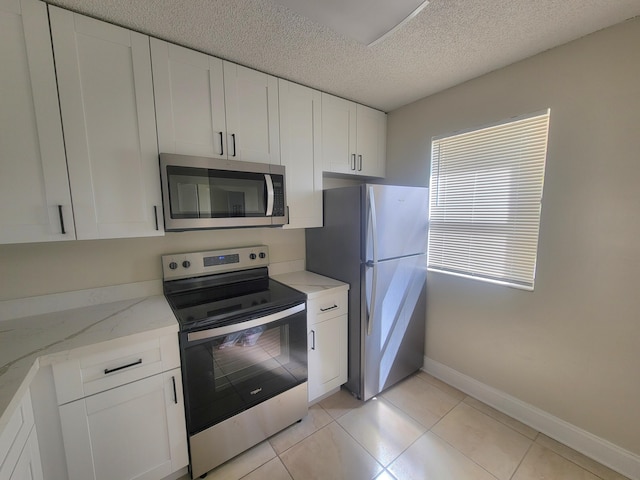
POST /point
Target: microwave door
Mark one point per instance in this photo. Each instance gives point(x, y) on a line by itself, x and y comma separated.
point(200, 192)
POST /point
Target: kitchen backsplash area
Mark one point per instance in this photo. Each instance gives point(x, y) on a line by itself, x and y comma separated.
point(44, 268)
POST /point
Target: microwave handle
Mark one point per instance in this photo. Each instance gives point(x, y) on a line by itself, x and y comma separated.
point(270, 194)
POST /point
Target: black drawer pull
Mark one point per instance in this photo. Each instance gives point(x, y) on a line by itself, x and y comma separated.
point(111, 370)
point(313, 335)
point(328, 308)
point(155, 215)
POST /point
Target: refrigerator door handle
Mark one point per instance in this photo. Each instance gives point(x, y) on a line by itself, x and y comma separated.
point(374, 262)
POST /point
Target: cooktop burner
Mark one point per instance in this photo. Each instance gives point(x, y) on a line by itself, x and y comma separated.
point(204, 289)
point(216, 306)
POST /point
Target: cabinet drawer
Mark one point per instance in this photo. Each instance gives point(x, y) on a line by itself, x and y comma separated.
point(15, 435)
point(327, 306)
point(111, 367)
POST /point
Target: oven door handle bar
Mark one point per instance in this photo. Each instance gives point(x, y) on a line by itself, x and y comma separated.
point(238, 327)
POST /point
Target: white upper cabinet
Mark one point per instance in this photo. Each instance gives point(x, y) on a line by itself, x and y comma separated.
point(371, 141)
point(106, 100)
point(34, 187)
point(300, 145)
point(206, 106)
point(251, 101)
point(189, 96)
point(353, 138)
point(338, 134)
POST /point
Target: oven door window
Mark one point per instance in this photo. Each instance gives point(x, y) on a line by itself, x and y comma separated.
point(227, 374)
point(205, 193)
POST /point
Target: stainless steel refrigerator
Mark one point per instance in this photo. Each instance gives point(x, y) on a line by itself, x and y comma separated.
point(375, 238)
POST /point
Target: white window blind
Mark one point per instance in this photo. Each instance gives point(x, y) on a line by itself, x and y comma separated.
point(486, 192)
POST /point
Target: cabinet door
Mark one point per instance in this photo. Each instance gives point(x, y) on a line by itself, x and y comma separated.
point(34, 187)
point(189, 98)
point(327, 356)
point(300, 129)
point(134, 431)
point(338, 134)
point(106, 99)
point(371, 141)
point(29, 466)
point(251, 103)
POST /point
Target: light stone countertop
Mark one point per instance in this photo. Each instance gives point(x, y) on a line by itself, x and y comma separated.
point(30, 342)
point(312, 284)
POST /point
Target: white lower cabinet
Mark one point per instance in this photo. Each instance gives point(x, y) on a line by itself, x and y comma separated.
point(327, 343)
point(136, 431)
point(122, 409)
point(19, 453)
point(28, 466)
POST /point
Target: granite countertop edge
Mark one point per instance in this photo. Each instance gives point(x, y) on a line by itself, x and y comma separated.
point(312, 284)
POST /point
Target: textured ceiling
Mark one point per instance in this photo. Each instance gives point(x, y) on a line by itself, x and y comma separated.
point(447, 43)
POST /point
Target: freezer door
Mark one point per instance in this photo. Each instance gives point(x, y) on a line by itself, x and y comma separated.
point(397, 221)
point(396, 308)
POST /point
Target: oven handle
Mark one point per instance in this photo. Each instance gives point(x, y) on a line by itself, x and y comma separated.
point(270, 194)
point(238, 327)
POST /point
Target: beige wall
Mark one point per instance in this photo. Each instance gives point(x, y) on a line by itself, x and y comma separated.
point(38, 269)
point(571, 347)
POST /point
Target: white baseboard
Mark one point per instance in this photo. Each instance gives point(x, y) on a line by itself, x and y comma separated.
point(603, 451)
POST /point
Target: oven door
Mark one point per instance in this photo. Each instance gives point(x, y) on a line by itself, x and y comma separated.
point(229, 369)
point(200, 192)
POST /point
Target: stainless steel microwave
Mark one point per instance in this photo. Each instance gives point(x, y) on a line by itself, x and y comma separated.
point(201, 193)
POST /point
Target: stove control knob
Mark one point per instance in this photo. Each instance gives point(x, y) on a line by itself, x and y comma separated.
point(173, 265)
point(252, 256)
point(186, 264)
point(263, 255)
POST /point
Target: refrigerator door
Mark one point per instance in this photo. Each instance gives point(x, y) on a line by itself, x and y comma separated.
point(401, 215)
point(395, 307)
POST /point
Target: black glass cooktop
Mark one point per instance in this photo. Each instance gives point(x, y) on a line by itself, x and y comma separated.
point(228, 298)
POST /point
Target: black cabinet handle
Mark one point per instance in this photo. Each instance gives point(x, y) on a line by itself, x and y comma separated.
point(221, 143)
point(328, 308)
point(359, 163)
point(313, 342)
point(233, 138)
point(175, 393)
point(61, 220)
point(111, 370)
point(155, 215)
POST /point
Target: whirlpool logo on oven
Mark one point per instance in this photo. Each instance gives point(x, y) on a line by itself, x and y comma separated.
point(256, 391)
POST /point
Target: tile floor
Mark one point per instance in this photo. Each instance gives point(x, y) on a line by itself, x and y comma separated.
point(421, 429)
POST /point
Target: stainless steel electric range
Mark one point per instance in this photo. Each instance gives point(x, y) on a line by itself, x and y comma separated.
point(243, 344)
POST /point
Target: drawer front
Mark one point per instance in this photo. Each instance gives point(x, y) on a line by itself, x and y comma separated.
point(327, 306)
point(112, 367)
point(15, 435)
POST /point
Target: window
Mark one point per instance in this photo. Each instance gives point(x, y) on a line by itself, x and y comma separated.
point(485, 201)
